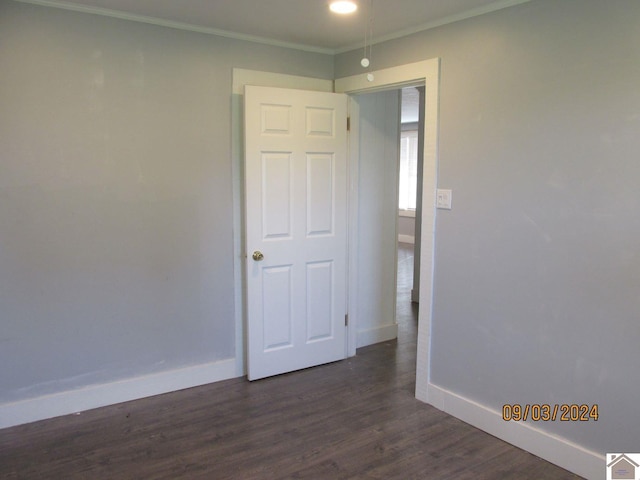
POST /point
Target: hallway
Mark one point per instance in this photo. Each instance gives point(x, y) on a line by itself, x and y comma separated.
point(406, 311)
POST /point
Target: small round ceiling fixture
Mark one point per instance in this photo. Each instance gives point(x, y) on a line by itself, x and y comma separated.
point(343, 6)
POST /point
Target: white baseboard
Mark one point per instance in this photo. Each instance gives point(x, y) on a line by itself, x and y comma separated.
point(95, 396)
point(407, 239)
point(377, 335)
point(554, 449)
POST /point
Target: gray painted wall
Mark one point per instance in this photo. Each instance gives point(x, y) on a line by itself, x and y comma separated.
point(537, 267)
point(116, 246)
point(116, 219)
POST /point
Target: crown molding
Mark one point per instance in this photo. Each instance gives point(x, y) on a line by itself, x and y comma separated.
point(492, 7)
point(105, 12)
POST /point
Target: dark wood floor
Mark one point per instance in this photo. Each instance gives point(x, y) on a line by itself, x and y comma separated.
point(355, 419)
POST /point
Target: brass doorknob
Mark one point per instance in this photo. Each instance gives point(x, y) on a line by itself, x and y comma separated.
point(257, 256)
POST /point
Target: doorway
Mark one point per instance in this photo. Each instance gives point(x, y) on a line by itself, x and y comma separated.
point(424, 72)
point(388, 134)
point(408, 255)
point(376, 219)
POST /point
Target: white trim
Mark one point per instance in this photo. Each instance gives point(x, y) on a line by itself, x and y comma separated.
point(105, 12)
point(406, 239)
point(427, 72)
point(74, 401)
point(242, 77)
point(554, 449)
point(379, 334)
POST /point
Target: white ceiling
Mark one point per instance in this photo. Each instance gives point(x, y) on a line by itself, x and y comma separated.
point(306, 24)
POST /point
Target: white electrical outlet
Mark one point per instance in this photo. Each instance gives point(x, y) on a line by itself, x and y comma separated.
point(443, 199)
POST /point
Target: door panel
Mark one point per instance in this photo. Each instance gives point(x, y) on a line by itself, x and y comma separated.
point(320, 193)
point(319, 301)
point(276, 207)
point(277, 301)
point(296, 216)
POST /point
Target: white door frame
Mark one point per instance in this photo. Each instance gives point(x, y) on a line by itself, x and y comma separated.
point(426, 72)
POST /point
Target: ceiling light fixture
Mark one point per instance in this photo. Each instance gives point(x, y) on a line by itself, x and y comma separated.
point(343, 7)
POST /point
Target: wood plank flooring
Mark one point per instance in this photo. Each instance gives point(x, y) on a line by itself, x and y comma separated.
point(355, 419)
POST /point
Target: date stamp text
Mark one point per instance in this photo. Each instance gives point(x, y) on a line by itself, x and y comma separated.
point(535, 412)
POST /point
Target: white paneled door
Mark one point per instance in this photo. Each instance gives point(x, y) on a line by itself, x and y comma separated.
point(296, 228)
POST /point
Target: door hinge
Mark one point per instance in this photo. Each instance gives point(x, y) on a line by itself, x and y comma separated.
point(346, 320)
point(348, 124)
